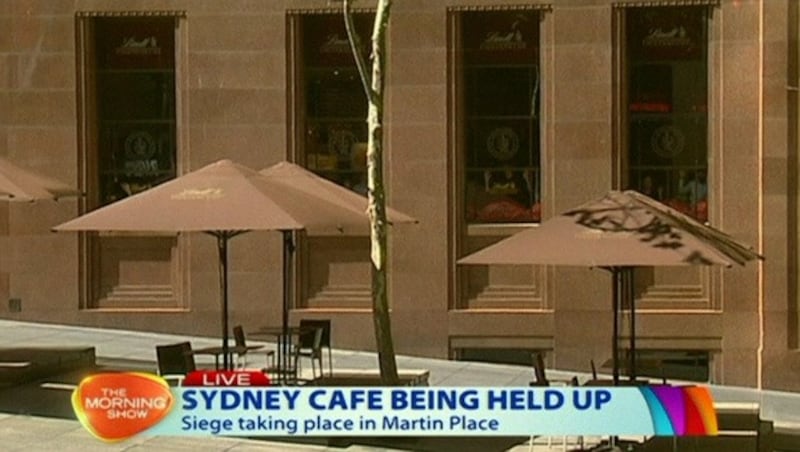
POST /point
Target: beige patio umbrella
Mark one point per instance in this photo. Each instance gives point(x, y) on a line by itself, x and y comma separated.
point(223, 199)
point(618, 232)
point(298, 178)
point(20, 185)
point(323, 192)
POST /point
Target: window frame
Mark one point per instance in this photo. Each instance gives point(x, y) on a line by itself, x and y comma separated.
point(297, 72)
point(308, 291)
point(176, 297)
point(621, 132)
point(464, 237)
point(458, 121)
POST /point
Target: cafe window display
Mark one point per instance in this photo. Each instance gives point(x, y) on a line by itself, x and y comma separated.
point(328, 114)
point(499, 73)
point(335, 110)
point(127, 122)
point(135, 92)
point(667, 79)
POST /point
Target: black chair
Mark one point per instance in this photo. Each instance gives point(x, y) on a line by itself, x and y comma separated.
point(309, 345)
point(540, 377)
point(243, 349)
point(325, 340)
point(175, 361)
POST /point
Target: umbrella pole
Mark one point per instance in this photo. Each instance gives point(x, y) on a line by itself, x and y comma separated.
point(222, 247)
point(615, 292)
point(288, 254)
point(632, 303)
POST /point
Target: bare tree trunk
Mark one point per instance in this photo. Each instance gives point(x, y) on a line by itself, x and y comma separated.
point(373, 86)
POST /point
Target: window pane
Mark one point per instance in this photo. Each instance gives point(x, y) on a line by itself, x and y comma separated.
point(135, 76)
point(691, 365)
point(331, 93)
point(504, 91)
point(500, 54)
point(518, 356)
point(153, 99)
point(335, 103)
point(668, 119)
point(129, 85)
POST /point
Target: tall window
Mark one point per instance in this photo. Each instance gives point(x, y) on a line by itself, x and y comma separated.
point(667, 80)
point(500, 82)
point(134, 65)
point(335, 114)
point(128, 137)
point(329, 133)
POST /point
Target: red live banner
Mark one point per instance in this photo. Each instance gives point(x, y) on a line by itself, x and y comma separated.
point(226, 378)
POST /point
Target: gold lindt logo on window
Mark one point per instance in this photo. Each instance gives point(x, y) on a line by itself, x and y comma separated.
point(506, 40)
point(145, 46)
point(334, 44)
point(659, 37)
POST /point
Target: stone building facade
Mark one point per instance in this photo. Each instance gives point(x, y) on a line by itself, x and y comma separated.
point(499, 114)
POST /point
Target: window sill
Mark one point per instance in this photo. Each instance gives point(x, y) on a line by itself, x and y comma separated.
point(143, 309)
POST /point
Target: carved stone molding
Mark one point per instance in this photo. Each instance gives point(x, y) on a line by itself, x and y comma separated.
point(128, 295)
point(335, 272)
point(675, 288)
point(505, 287)
point(139, 272)
point(507, 296)
point(352, 296)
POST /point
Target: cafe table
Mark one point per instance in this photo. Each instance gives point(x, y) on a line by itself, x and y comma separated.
point(285, 369)
point(217, 351)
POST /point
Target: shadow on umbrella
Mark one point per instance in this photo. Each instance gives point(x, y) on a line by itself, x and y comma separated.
point(618, 232)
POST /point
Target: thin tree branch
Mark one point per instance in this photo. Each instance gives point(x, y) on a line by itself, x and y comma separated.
point(355, 46)
point(379, 51)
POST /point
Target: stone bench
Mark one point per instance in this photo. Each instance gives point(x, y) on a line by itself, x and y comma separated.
point(24, 364)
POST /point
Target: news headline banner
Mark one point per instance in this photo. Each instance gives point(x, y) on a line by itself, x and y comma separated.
point(116, 406)
point(438, 411)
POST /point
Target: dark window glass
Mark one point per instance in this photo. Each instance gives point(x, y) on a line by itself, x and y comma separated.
point(520, 356)
point(335, 104)
point(690, 365)
point(667, 60)
point(500, 61)
point(135, 76)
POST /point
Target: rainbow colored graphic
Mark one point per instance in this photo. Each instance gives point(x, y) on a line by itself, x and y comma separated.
point(681, 411)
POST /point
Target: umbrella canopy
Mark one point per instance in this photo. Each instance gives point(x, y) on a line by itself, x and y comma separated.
point(222, 196)
point(18, 184)
point(325, 193)
point(321, 194)
point(619, 231)
point(225, 199)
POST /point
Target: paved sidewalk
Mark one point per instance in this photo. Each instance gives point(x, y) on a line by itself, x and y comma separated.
point(19, 432)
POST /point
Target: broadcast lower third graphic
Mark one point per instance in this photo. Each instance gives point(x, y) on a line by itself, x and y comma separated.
point(117, 406)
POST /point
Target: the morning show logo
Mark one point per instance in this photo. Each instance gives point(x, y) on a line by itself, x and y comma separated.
point(116, 406)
